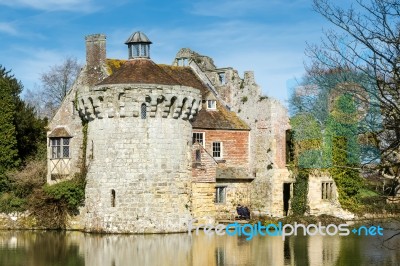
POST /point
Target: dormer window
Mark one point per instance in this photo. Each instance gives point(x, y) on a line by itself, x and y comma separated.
point(212, 104)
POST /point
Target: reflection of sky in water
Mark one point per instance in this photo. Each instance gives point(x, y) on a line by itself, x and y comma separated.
point(74, 248)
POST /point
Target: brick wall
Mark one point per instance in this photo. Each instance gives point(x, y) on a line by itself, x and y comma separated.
point(235, 146)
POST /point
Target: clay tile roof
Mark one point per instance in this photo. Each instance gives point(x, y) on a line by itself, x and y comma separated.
point(59, 132)
point(114, 64)
point(186, 77)
point(143, 71)
point(221, 118)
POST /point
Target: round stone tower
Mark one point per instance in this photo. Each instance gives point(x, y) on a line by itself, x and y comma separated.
point(138, 145)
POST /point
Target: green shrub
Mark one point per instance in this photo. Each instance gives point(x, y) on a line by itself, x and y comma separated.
point(70, 192)
point(11, 203)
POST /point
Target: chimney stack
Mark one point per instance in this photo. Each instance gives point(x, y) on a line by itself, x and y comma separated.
point(95, 57)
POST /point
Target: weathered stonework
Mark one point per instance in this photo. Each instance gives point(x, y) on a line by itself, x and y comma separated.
point(145, 162)
point(166, 145)
point(318, 205)
point(268, 121)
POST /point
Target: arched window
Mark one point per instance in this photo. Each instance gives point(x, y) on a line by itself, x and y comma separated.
point(112, 198)
point(143, 111)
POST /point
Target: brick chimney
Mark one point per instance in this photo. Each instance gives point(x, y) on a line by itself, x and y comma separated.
point(95, 57)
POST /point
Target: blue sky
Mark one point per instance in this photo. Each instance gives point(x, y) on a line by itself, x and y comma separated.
point(268, 37)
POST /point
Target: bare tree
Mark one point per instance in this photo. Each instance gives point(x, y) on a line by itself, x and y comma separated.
point(55, 84)
point(366, 41)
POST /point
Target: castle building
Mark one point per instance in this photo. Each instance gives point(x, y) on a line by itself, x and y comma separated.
point(167, 144)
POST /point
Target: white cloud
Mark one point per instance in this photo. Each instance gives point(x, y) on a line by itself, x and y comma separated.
point(52, 5)
point(8, 28)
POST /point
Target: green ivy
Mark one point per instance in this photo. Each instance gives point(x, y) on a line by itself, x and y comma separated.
point(300, 191)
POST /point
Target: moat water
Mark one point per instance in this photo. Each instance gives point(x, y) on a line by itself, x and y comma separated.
point(42, 248)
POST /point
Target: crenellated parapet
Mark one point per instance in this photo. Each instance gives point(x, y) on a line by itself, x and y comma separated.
point(124, 100)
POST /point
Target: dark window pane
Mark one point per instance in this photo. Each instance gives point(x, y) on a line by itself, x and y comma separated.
point(143, 111)
point(198, 155)
point(66, 142)
point(66, 151)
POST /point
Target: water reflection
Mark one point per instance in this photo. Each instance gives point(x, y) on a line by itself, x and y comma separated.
point(74, 248)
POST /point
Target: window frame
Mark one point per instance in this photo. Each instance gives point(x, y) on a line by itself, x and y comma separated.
point(143, 111)
point(203, 137)
point(213, 106)
point(218, 199)
point(58, 150)
point(220, 150)
point(197, 155)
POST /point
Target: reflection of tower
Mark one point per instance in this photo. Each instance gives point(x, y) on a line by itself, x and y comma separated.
point(139, 135)
point(323, 250)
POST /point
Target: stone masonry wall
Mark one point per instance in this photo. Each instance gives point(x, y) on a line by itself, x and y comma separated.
point(317, 205)
point(67, 116)
point(237, 192)
point(141, 166)
point(268, 121)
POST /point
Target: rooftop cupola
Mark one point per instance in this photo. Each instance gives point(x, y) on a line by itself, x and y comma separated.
point(138, 45)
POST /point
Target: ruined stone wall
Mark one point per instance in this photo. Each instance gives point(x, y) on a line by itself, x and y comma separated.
point(268, 120)
point(139, 170)
point(317, 205)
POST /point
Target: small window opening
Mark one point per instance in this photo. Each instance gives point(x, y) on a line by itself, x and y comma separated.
point(327, 190)
point(220, 194)
point(212, 104)
point(112, 198)
point(143, 111)
point(198, 155)
point(221, 77)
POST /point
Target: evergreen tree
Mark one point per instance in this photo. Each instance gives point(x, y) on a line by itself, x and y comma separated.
point(22, 134)
point(30, 132)
point(9, 88)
